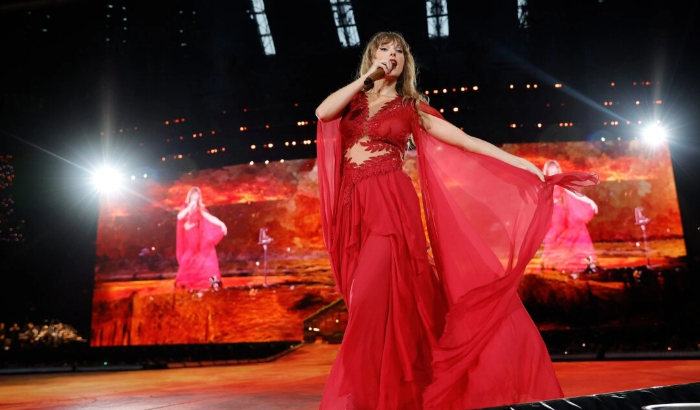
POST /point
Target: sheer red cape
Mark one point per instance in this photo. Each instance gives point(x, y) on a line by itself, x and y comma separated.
point(486, 220)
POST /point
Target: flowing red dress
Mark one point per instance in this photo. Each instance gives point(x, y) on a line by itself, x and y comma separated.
point(568, 245)
point(454, 337)
point(196, 252)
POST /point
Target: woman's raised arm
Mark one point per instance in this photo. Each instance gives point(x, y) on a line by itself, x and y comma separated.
point(448, 133)
point(332, 107)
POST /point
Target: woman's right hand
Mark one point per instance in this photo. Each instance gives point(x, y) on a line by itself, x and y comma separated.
point(385, 65)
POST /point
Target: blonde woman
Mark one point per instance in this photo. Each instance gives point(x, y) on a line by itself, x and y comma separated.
point(453, 338)
point(198, 233)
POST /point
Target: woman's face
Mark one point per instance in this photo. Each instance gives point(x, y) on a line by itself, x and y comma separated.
point(392, 52)
point(194, 196)
point(552, 169)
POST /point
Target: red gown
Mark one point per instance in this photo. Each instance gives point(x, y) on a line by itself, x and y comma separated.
point(568, 244)
point(196, 252)
point(453, 337)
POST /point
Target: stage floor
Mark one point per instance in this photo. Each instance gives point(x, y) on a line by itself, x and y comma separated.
point(294, 381)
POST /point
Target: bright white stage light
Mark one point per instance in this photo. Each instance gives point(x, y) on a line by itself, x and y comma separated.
point(107, 179)
point(654, 135)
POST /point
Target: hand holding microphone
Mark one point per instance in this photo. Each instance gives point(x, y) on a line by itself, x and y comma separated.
point(379, 73)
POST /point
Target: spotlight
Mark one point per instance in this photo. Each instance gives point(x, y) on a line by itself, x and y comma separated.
point(654, 135)
point(107, 179)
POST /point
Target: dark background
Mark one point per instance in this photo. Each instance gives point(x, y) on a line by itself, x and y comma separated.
point(73, 100)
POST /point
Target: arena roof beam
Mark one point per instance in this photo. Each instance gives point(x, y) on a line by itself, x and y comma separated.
point(438, 21)
point(260, 17)
point(344, 18)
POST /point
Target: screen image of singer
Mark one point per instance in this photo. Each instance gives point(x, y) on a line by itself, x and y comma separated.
point(270, 269)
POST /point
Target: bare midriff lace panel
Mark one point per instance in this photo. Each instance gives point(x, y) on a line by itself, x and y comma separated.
point(365, 144)
point(372, 144)
point(365, 149)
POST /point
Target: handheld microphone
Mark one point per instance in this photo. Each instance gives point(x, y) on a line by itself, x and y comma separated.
point(376, 75)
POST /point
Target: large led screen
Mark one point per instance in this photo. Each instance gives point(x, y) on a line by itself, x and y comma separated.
point(251, 265)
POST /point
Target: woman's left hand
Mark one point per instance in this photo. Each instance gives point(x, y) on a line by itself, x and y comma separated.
point(529, 166)
point(223, 229)
point(594, 206)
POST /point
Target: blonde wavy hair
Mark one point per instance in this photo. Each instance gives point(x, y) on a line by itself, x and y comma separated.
point(550, 163)
point(406, 84)
point(192, 191)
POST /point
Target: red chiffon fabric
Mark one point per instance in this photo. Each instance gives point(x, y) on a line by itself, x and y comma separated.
point(419, 339)
point(568, 245)
point(196, 252)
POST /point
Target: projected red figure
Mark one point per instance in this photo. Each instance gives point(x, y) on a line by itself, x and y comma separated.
point(567, 245)
point(198, 232)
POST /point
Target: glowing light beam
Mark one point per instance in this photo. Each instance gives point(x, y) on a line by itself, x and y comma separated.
point(107, 180)
point(654, 135)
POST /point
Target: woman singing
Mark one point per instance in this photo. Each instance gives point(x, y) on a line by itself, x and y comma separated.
point(450, 338)
point(568, 246)
point(198, 232)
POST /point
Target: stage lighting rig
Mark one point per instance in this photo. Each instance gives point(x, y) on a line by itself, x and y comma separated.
point(654, 135)
point(107, 180)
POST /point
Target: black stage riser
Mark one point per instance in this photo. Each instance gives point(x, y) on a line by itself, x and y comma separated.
point(625, 400)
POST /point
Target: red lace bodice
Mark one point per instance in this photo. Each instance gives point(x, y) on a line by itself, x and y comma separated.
point(193, 218)
point(373, 144)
